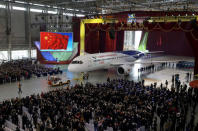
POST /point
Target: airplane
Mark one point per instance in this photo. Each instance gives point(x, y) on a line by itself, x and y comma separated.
point(122, 60)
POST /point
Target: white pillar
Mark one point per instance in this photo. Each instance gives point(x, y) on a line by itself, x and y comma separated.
point(28, 41)
point(8, 28)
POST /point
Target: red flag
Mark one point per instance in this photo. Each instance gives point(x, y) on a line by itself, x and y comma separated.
point(53, 41)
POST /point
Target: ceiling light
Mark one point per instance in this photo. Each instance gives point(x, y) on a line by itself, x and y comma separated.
point(38, 4)
point(18, 8)
point(21, 2)
point(36, 10)
point(52, 12)
point(80, 15)
point(2, 6)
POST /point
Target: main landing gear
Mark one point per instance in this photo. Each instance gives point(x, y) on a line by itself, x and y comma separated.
point(85, 76)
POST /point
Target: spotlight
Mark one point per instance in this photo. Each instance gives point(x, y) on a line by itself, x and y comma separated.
point(145, 22)
point(66, 17)
point(36, 18)
point(42, 17)
point(194, 24)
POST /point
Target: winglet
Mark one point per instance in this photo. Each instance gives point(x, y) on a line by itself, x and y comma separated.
point(85, 53)
point(154, 52)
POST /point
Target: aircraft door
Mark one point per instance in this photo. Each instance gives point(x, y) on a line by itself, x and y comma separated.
point(89, 61)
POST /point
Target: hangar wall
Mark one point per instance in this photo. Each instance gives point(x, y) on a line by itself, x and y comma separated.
point(20, 27)
point(18, 34)
point(3, 36)
point(17, 30)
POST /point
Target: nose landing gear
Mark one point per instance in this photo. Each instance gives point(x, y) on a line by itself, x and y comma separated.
point(85, 76)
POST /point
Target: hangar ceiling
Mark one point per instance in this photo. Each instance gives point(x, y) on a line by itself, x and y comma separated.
point(112, 6)
point(91, 7)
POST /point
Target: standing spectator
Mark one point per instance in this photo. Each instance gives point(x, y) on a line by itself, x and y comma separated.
point(19, 87)
point(108, 79)
point(190, 76)
point(95, 125)
point(166, 83)
point(161, 86)
point(143, 82)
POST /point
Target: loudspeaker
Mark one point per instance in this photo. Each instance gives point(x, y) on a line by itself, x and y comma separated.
point(112, 34)
point(194, 24)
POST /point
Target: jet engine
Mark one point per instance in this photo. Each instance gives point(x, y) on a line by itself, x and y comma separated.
point(124, 70)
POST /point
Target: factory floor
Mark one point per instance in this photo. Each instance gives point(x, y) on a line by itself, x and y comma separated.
point(36, 85)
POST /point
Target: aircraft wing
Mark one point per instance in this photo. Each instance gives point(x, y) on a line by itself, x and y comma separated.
point(165, 58)
point(160, 59)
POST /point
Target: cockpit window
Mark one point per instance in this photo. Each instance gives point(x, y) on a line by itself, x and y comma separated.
point(77, 62)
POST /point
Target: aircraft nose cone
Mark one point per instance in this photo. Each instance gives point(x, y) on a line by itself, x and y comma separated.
point(70, 68)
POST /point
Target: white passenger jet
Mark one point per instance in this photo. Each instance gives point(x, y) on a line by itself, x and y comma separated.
point(122, 60)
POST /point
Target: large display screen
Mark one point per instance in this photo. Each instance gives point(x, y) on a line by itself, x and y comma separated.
point(56, 55)
point(56, 41)
point(131, 18)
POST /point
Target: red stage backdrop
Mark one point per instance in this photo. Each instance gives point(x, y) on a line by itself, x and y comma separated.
point(189, 35)
point(53, 41)
point(172, 43)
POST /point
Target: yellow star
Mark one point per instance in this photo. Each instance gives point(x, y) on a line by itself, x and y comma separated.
point(46, 38)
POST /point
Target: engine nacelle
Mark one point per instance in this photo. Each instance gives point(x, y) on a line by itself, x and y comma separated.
point(124, 70)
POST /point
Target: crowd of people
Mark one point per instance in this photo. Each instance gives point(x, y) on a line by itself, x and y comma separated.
point(156, 67)
point(15, 70)
point(120, 104)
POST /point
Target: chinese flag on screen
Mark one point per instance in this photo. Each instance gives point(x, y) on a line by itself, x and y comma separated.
point(53, 41)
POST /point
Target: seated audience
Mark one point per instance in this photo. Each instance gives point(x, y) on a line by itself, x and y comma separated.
point(15, 70)
point(119, 104)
